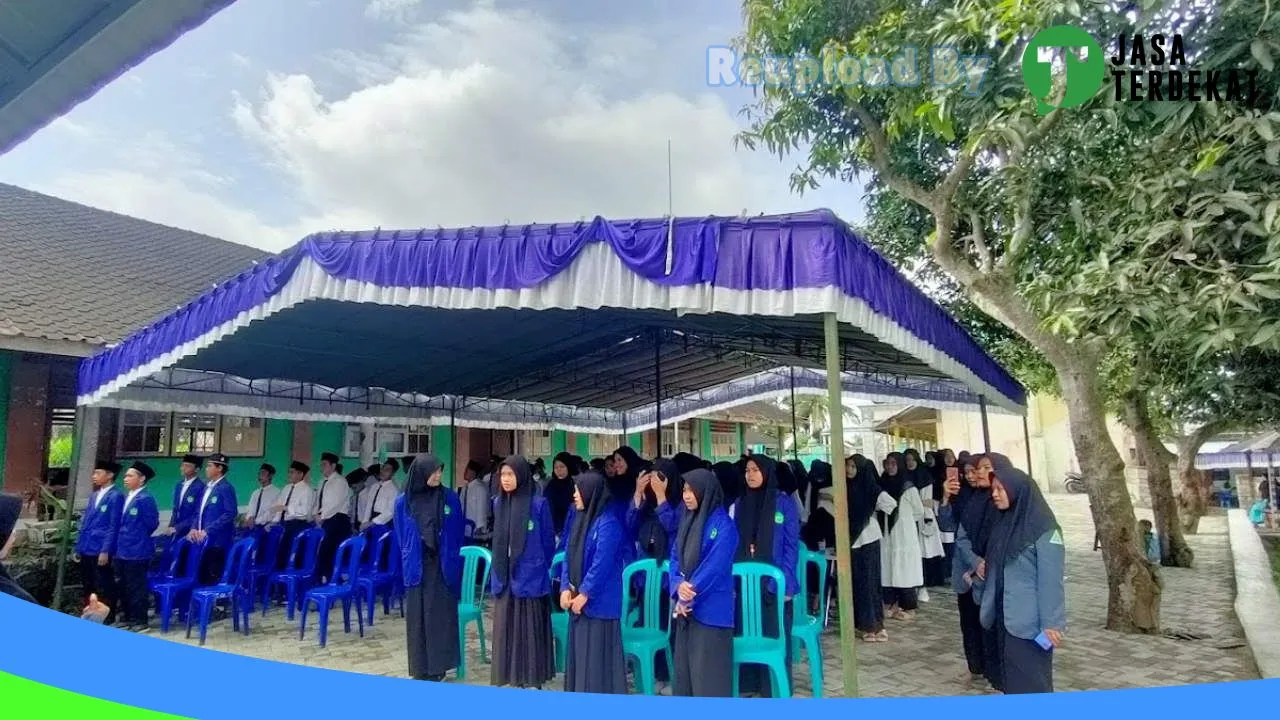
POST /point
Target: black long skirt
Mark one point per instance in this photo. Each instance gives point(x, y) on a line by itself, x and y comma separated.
point(703, 658)
point(595, 662)
point(1026, 668)
point(755, 678)
point(868, 597)
point(972, 635)
point(935, 571)
point(431, 624)
point(523, 655)
point(992, 667)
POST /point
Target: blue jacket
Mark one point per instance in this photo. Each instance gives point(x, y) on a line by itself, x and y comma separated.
point(602, 562)
point(137, 526)
point(183, 517)
point(786, 542)
point(947, 521)
point(713, 579)
point(1035, 595)
point(627, 549)
point(562, 545)
point(449, 542)
point(100, 524)
point(219, 518)
point(964, 560)
point(668, 516)
point(530, 573)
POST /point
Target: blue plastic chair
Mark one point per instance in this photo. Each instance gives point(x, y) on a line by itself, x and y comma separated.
point(379, 575)
point(559, 617)
point(233, 587)
point(299, 573)
point(168, 546)
point(265, 553)
point(342, 587)
point(173, 591)
point(645, 637)
point(753, 647)
point(475, 583)
point(806, 629)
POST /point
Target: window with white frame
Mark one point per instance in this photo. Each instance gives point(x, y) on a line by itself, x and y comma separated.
point(535, 443)
point(418, 440)
point(143, 433)
point(243, 436)
point(391, 441)
point(724, 440)
point(604, 445)
point(351, 441)
point(195, 433)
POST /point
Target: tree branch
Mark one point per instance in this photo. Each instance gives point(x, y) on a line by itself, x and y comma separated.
point(979, 238)
point(880, 160)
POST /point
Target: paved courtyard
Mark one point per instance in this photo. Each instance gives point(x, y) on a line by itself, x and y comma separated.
point(923, 657)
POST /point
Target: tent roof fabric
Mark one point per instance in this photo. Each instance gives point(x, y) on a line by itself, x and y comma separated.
point(577, 314)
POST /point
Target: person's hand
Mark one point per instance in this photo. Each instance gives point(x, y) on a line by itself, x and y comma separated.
point(277, 509)
point(1054, 636)
point(681, 610)
point(642, 482)
point(981, 572)
point(103, 559)
point(685, 592)
point(968, 578)
point(951, 487)
point(579, 602)
point(566, 599)
point(659, 484)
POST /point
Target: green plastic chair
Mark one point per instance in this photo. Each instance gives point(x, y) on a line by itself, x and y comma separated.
point(559, 617)
point(475, 583)
point(642, 640)
point(753, 647)
point(806, 628)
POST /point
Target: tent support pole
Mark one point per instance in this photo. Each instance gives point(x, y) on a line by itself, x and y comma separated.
point(1026, 436)
point(844, 543)
point(795, 433)
point(657, 392)
point(453, 443)
point(986, 430)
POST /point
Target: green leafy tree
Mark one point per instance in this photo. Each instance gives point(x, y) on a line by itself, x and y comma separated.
point(1024, 205)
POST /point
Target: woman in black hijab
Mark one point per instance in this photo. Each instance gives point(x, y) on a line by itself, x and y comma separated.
point(973, 530)
point(900, 561)
point(702, 585)
point(802, 487)
point(933, 554)
point(559, 490)
point(768, 532)
point(865, 498)
point(523, 544)
point(1024, 600)
point(730, 481)
point(591, 591)
point(429, 525)
point(10, 508)
point(655, 514)
point(946, 474)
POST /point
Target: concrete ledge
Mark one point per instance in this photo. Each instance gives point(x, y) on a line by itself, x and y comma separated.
point(1257, 600)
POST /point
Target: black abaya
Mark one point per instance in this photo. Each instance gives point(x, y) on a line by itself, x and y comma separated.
point(595, 661)
point(523, 627)
point(431, 618)
point(700, 657)
point(868, 598)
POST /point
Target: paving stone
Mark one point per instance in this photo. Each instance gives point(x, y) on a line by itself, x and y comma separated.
point(923, 657)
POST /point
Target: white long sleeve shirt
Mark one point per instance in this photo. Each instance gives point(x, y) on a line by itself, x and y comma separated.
point(298, 500)
point(333, 497)
point(381, 503)
point(871, 533)
point(260, 504)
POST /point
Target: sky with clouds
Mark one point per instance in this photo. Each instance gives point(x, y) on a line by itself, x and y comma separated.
point(279, 118)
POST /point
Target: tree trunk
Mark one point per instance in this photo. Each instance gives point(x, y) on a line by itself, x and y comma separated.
point(1193, 494)
point(1133, 600)
point(1174, 551)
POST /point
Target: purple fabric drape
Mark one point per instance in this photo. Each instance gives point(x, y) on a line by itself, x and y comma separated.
point(778, 253)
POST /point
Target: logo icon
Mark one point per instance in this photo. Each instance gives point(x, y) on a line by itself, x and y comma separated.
point(1083, 76)
point(777, 518)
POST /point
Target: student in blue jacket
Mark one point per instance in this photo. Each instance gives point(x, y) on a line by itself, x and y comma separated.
point(96, 544)
point(1024, 600)
point(768, 532)
point(592, 592)
point(652, 521)
point(215, 524)
point(428, 526)
point(702, 589)
point(523, 544)
point(134, 547)
point(186, 497)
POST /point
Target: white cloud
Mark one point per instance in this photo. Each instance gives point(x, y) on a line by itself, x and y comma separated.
point(393, 10)
point(480, 118)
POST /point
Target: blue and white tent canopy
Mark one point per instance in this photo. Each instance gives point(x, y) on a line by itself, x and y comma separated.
point(575, 315)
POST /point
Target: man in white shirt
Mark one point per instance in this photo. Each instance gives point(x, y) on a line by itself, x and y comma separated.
point(263, 500)
point(332, 508)
point(477, 503)
point(380, 497)
point(293, 509)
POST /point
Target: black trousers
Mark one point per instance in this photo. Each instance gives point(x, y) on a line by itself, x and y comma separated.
point(336, 529)
point(134, 602)
point(971, 633)
point(100, 580)
point(992, 658)
point(904, 598)
point(212, 564)
point(292, 528)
